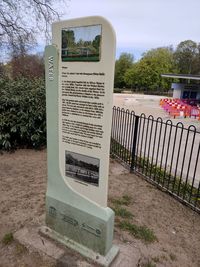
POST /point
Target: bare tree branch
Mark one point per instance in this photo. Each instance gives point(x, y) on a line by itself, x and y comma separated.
point(22, 22)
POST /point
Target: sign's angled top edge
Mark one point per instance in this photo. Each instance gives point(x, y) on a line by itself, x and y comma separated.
point(83, 18)
point(84, 21)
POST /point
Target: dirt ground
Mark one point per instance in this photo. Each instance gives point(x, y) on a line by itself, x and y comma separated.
point(23, 177)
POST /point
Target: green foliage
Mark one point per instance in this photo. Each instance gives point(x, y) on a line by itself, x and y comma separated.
point(156, 173)
point(20, 249)
point(186, 55)
point(7, 239)
point(122, 212)
point(146, 74)
point(149, 264)
point(167, 180)
point(124, 200)
point(97, 42)
point(22, 113)
point(124, 63)
point(68, 38)
point(140, 232)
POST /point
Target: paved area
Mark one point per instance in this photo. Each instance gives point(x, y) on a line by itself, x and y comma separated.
point(149, 105)
point(32, 239)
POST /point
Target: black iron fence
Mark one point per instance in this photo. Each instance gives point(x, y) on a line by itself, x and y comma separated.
point(166, 154)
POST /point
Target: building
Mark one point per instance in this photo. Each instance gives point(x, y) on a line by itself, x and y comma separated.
point(185, 90)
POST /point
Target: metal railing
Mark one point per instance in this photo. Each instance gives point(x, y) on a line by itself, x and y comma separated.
point(164, 153)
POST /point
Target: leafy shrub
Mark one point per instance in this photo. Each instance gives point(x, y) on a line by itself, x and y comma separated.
point(22, 113)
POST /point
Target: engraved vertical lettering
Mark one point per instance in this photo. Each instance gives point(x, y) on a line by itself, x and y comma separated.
point(51, 68)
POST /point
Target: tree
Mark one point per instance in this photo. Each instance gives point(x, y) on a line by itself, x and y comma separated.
point(124, 63)
point(80, 43)
point(22, 21)
point(27, 66)
point(2, 71)
point(196, 62)
point(185, 56)
point(139, 76)
point(68, 39)
point(146, 74)
point(96, 43)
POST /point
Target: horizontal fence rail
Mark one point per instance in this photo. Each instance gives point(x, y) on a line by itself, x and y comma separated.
point(166, 154)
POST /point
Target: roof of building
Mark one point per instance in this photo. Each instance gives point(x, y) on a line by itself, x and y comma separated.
point(182, 76)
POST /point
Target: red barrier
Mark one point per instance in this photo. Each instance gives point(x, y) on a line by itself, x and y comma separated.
point(177, 107)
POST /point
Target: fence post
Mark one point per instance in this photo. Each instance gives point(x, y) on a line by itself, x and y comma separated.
point(133, 154)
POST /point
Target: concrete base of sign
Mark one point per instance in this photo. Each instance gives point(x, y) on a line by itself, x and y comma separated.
point(83, 225)
point(42, 240)
point(96, 257)
point(30, 238)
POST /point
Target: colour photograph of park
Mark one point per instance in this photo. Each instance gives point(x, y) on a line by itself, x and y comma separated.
point(81, 43)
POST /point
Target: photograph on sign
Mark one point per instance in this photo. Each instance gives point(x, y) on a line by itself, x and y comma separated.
point(81, 43)
point(82, 168)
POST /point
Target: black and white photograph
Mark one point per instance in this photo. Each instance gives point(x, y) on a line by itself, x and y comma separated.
point(82, 168)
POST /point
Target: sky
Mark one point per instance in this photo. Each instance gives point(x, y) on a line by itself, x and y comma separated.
point(141, 25)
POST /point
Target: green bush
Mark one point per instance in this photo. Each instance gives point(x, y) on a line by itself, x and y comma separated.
point(22, 113)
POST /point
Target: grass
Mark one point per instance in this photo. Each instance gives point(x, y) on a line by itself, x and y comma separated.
point(20, 249)
point(149, 264)
point(78, 58)
point(172, 256)
point(172, 183)
point(122, 212)
point(124, 200)
point(7, 239)
point(139, 232)
point(161, 258)
point(156, 259)
point(156, 173)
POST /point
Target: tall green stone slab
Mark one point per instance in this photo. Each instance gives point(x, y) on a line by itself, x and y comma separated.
point(71, 211)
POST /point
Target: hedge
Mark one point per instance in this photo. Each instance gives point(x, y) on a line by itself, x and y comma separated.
point(22, 114)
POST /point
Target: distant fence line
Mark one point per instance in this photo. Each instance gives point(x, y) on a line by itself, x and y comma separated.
point(135, 91)
point(164, 153)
